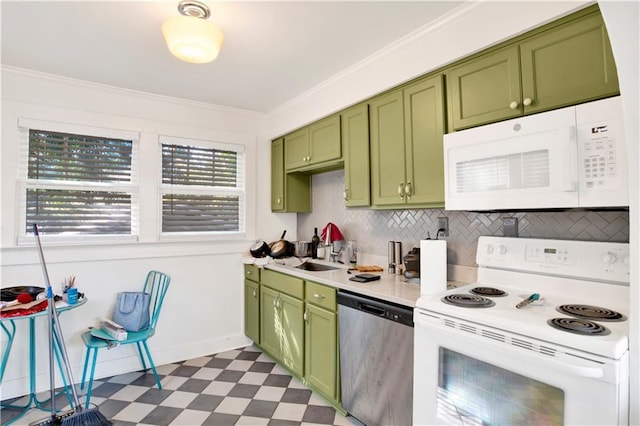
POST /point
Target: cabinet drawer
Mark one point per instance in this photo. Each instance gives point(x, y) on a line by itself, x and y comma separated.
point(284, 283)
point(252, 272)
point(320, 295)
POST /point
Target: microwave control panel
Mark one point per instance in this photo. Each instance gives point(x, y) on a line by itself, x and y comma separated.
point(601, 154)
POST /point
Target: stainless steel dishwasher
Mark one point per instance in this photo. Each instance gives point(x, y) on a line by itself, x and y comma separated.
point(376, 359)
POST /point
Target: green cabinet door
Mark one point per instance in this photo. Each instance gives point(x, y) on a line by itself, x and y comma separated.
point(567, 65)
point(290, 192)
point(485, 89)
point(324, 140)
point(296, 149)
point(321, 351)
point(355, 139)
point(387, 149)
point(292, 333)
point(424, 130)
point(277, 175)
point(252, 310)
point(270, 324)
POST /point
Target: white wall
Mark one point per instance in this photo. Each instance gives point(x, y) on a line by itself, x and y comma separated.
point(621, 19)
point(203, 310)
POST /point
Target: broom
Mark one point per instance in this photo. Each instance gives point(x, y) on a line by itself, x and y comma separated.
point(77, 416)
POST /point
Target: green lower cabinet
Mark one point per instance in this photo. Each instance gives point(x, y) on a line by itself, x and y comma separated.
point(321, 351)
point(252, 310)
point(282, 328)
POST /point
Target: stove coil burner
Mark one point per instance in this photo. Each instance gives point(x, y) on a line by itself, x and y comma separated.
point(488, 291)
point(593, 313)
point(468, 301)
point(579, 326)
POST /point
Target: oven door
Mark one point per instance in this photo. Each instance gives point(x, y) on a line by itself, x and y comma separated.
point(467, 374)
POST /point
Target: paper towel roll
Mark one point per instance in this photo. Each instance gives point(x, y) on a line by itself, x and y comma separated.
point(433, 266)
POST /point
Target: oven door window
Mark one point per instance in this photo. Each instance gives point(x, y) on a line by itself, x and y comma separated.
point(473, 392)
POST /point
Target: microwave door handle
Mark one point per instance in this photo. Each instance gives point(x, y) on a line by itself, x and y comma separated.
point(573, 157)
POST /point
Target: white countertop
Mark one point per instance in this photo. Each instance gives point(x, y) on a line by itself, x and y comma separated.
point(390, 287)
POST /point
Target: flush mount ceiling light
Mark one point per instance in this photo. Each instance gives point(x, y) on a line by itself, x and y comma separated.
point(191, 37)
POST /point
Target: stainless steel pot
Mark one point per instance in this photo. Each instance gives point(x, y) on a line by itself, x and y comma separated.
point(303, 248)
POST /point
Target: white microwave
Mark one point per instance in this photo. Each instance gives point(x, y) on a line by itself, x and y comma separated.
point(566, 158)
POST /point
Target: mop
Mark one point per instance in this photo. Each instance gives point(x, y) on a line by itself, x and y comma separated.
point(77, 416)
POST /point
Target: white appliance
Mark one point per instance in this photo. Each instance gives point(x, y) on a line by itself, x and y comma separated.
point(489, 362)
point(570, 157)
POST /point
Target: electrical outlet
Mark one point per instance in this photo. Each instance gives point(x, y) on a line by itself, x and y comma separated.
point(510, 226)
point(443, 223)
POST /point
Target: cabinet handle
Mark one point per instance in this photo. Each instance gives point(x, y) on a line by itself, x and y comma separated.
point(306, 315)
point(527, 102)
point(407, 190)
point(513, 105)
point(401, 190)
point(346, 194)
point(279, 200)
point(255, 293)
point(318, 296)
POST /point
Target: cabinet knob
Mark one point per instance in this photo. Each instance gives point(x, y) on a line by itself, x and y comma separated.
point(306, 315)
point(279, 200)
point(346, 194)
point(527, 102)
point(407, 190)
point(318, 296)
point(513, 105)
point(401, 190)
point(255, 293)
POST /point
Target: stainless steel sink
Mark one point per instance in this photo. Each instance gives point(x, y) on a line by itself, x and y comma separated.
point(316, 267)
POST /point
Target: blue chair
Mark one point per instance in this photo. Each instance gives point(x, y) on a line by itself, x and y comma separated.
point(156, 285)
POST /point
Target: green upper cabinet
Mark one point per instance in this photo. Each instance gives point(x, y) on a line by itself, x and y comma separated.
point(355, 139)
point(277, 175)
point(387, 149)
point(314, 145)
point(424, 130)
point(296, 149)
point(570, 64)
point(289, 192)
point(483, 90)
point(559, 65)
point(406, 146)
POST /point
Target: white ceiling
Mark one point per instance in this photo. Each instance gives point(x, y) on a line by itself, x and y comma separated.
point(273, 51)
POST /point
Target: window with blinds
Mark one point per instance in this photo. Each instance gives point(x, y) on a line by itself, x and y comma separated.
point(78, 184)
point(202, 187)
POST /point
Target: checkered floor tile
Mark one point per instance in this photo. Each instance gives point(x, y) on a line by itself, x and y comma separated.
point(238, 387)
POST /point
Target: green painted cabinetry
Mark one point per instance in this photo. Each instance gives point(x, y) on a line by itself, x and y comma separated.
point(281, 319)
point(407, 126)
point(355, 139)
point(321, 340)
point(252, 302)
point(316, 145)
point(563, 64)
point(290, 192)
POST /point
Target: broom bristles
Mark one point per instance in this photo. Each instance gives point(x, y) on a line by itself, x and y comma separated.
point(80, 417)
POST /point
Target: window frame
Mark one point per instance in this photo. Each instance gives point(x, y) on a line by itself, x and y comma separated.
point(24, 182)
point(240, 190)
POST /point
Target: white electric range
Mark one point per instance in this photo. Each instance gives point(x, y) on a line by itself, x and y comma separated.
point(562, 358)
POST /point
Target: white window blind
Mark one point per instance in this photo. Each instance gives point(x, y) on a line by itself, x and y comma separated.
point(77, 183)
point(203, 188)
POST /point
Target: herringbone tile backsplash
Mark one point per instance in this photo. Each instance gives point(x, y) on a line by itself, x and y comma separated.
point(373, 229)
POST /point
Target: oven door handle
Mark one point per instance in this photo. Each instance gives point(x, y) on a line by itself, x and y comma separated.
point(575, 368)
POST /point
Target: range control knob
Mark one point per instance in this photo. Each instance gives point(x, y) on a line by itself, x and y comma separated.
point(489, 249)
point(502, 249)
point(609, 258)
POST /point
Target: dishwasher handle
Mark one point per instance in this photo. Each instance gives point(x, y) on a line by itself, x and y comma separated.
point(374, 310)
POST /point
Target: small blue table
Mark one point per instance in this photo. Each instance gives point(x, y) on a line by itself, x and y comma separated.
point(9, 327)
